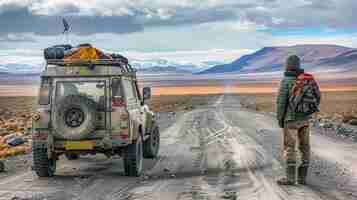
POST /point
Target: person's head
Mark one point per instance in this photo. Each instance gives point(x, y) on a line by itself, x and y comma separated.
point(293, 63)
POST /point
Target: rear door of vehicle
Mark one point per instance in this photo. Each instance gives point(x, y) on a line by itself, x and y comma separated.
point(133, 105)
point(84, 86)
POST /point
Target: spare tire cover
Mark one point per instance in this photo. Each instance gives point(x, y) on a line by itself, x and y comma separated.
point(74, 117)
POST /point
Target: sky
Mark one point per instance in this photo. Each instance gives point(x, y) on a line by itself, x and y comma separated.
point(186, 31)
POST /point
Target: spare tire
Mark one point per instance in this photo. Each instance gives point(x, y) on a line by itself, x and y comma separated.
point(74, 117)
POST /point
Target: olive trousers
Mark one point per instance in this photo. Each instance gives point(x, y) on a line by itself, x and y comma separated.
point(296, 139)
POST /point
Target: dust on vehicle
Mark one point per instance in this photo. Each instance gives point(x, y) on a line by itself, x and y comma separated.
point(91, 106)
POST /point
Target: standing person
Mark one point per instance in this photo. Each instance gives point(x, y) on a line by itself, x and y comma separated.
point(298, 98)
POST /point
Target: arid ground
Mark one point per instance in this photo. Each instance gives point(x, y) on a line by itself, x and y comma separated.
point(218, 141)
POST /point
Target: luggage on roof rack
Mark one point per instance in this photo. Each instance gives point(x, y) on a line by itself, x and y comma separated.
point(84, 54)
point(118, 63)
point(80, 52)
point(57, 51)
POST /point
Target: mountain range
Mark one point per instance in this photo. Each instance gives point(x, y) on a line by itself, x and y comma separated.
point(313, 57)
point(267, 59)
point(169, 66)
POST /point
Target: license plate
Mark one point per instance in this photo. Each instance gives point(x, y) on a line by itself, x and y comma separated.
point(78, 145)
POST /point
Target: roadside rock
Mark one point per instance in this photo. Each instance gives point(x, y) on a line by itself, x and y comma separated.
point(3, 132)
point(345, 131)
point(353, 122)
point(15, 141)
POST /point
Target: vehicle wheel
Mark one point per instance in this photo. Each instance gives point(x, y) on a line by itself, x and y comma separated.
point(2, 166)
point(71, 156)
point(43, 166)
point(133, 158)
point(152, 145)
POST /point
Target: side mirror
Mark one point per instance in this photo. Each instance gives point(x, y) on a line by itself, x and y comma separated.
point(146, 93)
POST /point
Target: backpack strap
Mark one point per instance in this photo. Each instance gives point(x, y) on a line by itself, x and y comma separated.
point(299, 82)
point(305, 77)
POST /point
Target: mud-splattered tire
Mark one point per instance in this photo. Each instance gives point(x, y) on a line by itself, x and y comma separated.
point(43, 166)
point(75, 117)
point(133, 158)
point(152, 144)
point(71, 156)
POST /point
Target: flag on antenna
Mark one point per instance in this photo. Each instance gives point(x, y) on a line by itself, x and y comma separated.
point(66, 26)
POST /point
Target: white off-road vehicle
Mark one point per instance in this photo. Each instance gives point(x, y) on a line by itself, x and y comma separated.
point(90, 107)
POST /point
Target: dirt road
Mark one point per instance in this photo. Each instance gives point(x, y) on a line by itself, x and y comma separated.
point(218, 152)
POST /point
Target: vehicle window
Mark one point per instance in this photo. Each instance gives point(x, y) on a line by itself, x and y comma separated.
point(94, 90)
point(128, 89)
point(116, 88)
point(45, 92)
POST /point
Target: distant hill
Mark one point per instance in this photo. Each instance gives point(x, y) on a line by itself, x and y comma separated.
point(273, 59)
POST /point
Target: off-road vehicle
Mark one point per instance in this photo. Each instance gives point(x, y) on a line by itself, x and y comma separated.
point(90, 107)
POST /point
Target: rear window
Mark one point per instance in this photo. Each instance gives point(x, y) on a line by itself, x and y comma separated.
point(94, 90)
point(45, 92)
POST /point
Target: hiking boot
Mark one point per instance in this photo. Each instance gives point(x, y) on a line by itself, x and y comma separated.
point(285, 181)
point(290, 178)
point(302, 174)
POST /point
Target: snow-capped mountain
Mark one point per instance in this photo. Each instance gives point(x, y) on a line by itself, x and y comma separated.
point(152, 66)
point(145, 65)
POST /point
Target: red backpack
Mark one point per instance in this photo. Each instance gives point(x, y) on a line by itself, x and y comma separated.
point(305, 95)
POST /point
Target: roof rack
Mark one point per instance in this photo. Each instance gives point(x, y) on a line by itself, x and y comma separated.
point(125, 67)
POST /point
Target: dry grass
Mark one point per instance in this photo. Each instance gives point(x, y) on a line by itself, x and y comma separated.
point(17, 106)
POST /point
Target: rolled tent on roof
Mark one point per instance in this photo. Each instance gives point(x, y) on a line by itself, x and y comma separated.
point(86, 52)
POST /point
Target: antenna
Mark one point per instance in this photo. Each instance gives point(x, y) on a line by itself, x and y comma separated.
point(66, 31)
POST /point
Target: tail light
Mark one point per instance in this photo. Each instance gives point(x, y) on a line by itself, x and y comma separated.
point(118, 101)
point(123, 134)
point(45, 90)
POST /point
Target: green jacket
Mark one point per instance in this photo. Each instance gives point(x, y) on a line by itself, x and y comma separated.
point(284, 113)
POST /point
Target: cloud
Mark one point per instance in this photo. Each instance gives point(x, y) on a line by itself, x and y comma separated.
point(126, 16)
point(349, 40)
point(42, 17)
point(21, 20)
point(152, 24)
point(17, 38)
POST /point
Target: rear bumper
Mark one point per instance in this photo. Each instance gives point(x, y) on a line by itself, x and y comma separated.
point(90, 145)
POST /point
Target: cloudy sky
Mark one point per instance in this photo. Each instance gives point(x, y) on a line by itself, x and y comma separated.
point(182, 30)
